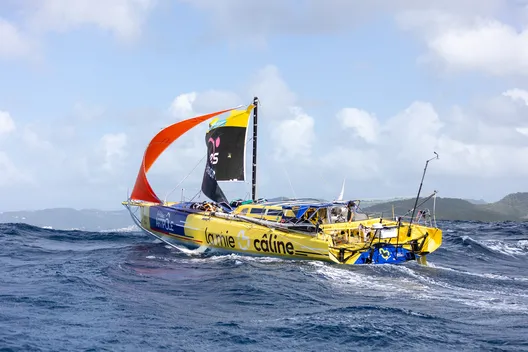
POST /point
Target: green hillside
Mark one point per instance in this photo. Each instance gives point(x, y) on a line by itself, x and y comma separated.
point(513, 207)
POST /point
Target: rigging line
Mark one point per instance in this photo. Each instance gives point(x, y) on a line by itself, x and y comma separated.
point(179, 183)
point(196, 195)
point(434, 211)
point(289, 181)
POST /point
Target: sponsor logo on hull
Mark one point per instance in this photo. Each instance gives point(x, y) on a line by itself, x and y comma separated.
point(168, 221)
point(267, 243)
point(388, 254)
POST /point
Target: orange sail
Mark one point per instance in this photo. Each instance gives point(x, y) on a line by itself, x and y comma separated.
point(142, 189)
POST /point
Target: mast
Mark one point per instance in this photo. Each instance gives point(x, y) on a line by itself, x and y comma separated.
point(418, 196)
point(254, 172)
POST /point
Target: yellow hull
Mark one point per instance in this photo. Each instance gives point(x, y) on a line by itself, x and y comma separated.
point(344, 243)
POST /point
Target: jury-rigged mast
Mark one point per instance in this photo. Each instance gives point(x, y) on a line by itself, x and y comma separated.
point(254, 169)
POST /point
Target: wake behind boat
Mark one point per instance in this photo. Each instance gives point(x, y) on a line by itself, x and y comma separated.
point(308, 229)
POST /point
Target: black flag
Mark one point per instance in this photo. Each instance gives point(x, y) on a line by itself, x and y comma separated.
point(226, 148)
point(210, 187)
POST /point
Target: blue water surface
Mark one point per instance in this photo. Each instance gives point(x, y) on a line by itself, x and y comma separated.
point(123, 291)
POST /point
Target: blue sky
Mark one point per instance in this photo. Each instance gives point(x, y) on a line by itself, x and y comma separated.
point(348, 89)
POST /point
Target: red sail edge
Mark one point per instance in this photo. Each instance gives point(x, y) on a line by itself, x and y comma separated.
point(142, 189)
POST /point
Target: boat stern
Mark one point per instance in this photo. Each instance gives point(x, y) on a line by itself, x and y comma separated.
point(432, 240)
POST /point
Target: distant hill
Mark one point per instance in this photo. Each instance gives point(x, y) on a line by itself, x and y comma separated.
point(68, 219)
point(477, 201)
point(372, 202)
point(513, 207)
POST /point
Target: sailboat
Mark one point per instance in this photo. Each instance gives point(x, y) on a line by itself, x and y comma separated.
point(303, 229)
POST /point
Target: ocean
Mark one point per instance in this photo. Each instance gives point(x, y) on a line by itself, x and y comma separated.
point(125, 291)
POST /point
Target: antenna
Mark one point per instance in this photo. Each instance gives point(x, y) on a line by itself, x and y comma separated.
point(419, 190)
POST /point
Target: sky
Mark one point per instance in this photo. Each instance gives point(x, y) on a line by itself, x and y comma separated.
point(354, 90)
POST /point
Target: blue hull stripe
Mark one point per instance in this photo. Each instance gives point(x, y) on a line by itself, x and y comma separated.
point(168, 220)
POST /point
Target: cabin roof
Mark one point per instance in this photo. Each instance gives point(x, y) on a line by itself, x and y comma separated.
point(297, 206)
point(288, 203)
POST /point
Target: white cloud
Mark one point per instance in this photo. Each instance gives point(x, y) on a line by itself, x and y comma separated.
point(460, 35)
point(517, 94)
point(482, 161)
point(290, 128)
point(361, 122)
point(414, 131)
point(409, 138)
point(34, 140)
point(274, 93)
point(277, 17)
point(91, 163)
point(214, 100)
point(351, 163)
point(182, 106)
point(23, 38)
point(7, 125)
point(87, 112)
point(497, 120)
point(59, 157)
point(124, 18)
point(10, 174)
point(113, 147)
point(192, 104)
point(503, 110)
point(489, 37)
point(264, 19)
point(12, 42)
point(286, 125)
point(522, 130)
point(293, 138)
point(396, 146)
point(485, 45)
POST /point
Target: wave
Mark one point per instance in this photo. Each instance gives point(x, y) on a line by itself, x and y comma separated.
point(478, 243)
point(478, 240)
point(35, 238)
point(131, 228)
point(490, 247)
point(473, 293)
point(397, 283)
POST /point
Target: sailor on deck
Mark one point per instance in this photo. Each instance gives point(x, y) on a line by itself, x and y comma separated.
point(351, 206)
